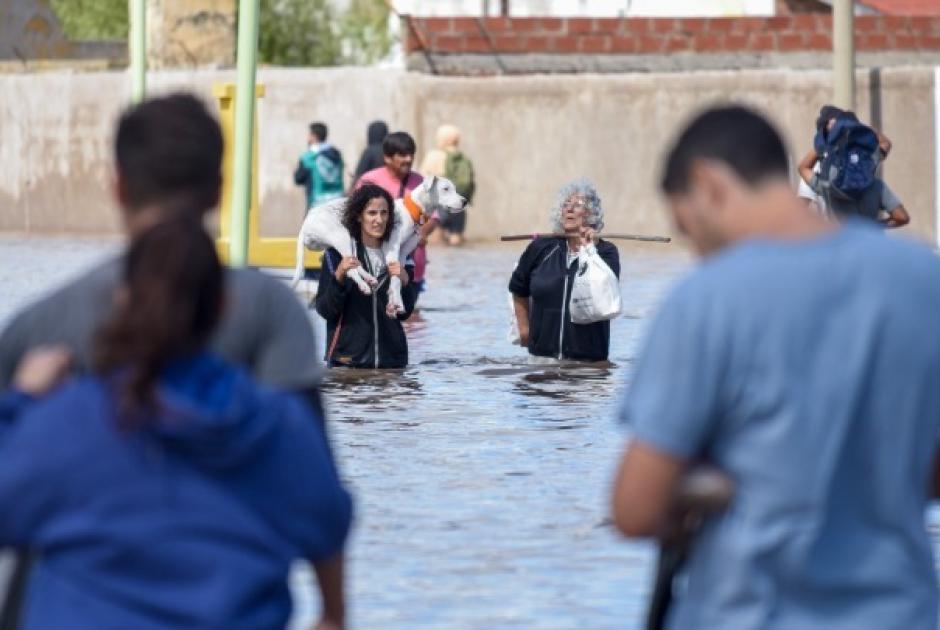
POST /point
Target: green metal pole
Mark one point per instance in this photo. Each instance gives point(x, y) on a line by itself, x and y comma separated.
point(244, 129)
point(138, 49)
point(843, 53)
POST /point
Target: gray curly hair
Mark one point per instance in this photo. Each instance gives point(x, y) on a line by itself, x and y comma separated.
point(594, 213)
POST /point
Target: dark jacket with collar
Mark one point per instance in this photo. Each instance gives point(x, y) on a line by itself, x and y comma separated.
point(544, 276)
point(358, 332)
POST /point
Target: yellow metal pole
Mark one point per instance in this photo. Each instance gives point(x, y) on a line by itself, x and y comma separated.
point(225, 94)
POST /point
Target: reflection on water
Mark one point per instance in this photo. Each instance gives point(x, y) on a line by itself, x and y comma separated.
point(482, 478)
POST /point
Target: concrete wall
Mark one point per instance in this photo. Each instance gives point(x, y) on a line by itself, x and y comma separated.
point(527, 135)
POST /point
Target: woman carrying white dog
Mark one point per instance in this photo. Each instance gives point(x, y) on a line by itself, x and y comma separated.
point(544, 277)
point(362, 331)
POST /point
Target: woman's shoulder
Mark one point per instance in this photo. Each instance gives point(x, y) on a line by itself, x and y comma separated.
point(540, 248)
point(544, 243)
point(65, 406)
point(606, 247)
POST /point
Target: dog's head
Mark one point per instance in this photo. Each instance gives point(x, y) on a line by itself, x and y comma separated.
point(438, 193)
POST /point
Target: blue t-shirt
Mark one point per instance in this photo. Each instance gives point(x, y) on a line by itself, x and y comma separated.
point(810, 371)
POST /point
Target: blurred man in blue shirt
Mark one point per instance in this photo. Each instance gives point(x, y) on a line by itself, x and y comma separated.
point(801, 359)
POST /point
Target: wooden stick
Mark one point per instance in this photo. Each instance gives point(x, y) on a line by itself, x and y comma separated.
point(621, 237)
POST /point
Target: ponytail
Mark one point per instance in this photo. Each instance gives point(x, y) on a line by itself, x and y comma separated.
point(170, 301)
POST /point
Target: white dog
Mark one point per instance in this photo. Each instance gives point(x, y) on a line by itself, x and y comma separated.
point(323, 228)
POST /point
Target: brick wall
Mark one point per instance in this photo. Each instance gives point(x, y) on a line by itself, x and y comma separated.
point(658, 36)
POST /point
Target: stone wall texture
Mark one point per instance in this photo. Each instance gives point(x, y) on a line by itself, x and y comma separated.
point(527, 135)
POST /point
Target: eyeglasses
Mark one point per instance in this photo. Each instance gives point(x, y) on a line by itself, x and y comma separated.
point(576, 204)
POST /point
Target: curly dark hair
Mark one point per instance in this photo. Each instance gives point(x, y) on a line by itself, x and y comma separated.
point(356, 205)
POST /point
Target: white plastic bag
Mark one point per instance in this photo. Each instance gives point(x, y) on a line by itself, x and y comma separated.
point(595, 295)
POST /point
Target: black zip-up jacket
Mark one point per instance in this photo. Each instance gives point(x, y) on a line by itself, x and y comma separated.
point(544, 276)
point(367, 337)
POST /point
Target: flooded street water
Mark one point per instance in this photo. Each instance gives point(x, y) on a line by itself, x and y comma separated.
point(481, 482)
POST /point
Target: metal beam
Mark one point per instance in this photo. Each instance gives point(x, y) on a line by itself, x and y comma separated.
point(137, 44)
point(843, 54)
point(244, 129)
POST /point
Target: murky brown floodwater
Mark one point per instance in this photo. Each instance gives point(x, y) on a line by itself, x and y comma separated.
point(481, 481)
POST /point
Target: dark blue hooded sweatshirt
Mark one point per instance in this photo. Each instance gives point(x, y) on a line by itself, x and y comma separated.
point(190, 522)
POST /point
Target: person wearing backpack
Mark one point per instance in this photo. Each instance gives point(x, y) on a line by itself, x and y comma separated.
point(841, 169)
point(320, 169)
point(447, 160)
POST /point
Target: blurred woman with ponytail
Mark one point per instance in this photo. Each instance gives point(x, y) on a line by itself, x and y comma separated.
point(169, 489)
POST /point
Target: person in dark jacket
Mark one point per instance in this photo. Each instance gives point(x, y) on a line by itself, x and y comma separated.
point(372, 156)
point(169, 488)
point(542, 281)
point(363, 331)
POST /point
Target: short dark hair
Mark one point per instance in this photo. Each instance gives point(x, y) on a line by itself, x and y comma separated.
point(319, 130)
point(356, 205)
point(169, 151)
point(399, 142)
point(827, 113)
point(735, 135)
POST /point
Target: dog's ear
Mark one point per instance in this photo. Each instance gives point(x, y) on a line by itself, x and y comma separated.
point(433, 182)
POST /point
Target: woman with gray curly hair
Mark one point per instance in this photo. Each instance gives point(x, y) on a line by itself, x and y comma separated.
point(542, 281)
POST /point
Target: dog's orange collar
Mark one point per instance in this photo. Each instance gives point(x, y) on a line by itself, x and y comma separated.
point(413, 209)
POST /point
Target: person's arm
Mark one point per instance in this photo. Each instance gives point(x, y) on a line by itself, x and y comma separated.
point(427, 229)
point(806, 165)
point(896, 213)
point(331, 584)
point(28, 460)
point(897, 217)
point(884, 143)
point(334, 286)
point(521, 307)
point(397, 269)
point(409, 291)
point(644, 487)
point(40, 371)
point(301, 173)
point(519, 288)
